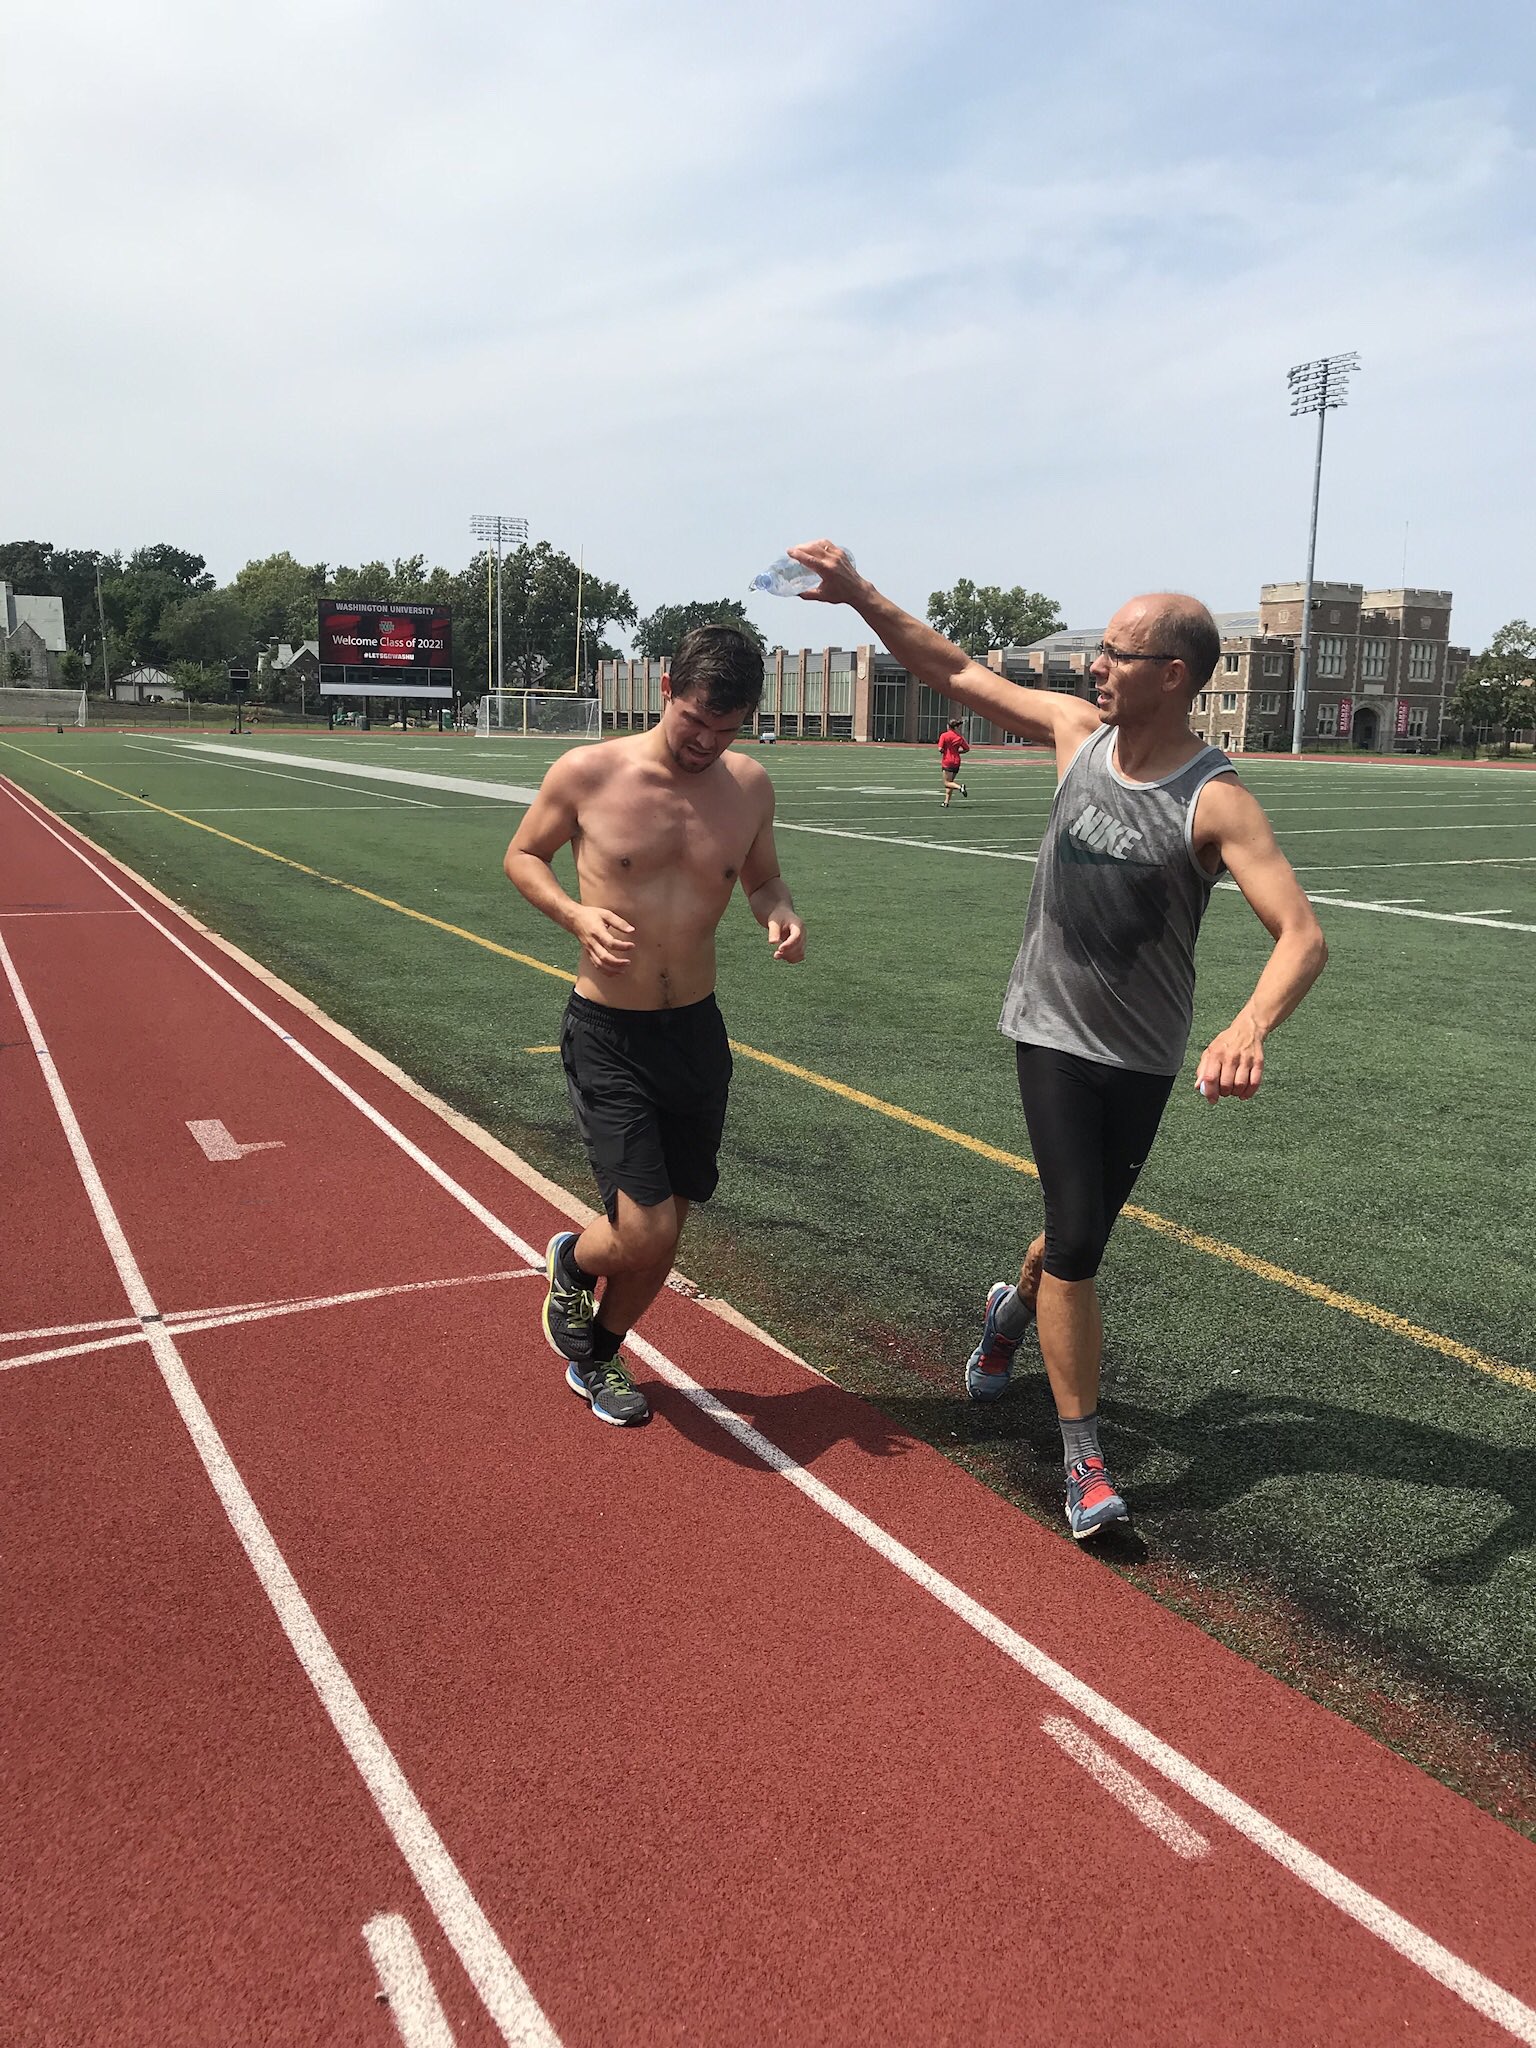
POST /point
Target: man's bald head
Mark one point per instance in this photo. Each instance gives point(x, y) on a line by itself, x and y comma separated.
point(1178, 625)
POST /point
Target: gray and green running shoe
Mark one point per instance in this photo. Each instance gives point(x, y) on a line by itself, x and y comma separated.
point(569, 1311)
point(609, 1391)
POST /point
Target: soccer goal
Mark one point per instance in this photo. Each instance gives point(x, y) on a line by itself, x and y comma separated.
point(518, 714)
point(42, 707)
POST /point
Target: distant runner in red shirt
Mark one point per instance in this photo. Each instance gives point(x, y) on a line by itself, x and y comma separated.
point(952, 744)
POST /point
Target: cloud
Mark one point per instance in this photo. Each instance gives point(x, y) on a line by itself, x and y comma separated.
point(984, 291)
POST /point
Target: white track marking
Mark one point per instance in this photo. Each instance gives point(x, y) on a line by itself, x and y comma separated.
point(110, 912)
point(68, 1330)
point(190, 1321)
point(504, 792)
point(1361, 831)
point(1411, 1942)
point(406, 1984)
point(490, 1969)
point(1152, 1812)
point(217, 1143)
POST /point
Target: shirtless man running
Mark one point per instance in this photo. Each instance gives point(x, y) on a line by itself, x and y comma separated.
point(663, 826)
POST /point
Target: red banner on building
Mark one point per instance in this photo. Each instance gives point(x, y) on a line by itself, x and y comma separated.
point(1402, 717)
point(1346, 716)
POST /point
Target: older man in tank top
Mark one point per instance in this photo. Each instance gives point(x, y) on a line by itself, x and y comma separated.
point(1146, 819)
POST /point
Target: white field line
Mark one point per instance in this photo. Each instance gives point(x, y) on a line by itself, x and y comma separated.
point(1152, 1812)
point(406, 1983)
point(507, 793)
point(1489, 922)
point(504, 792)
point(243, 759)
point(189, 1321)
point(1480, 860)
point(1363, 831)
point(1411, 1942)
point(246, 810)
point(490, 1969)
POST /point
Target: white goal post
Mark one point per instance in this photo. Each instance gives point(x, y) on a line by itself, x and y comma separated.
point(521, 714)
point(22, 706)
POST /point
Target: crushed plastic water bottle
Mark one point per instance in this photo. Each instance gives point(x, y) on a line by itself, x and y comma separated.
point(785, 578)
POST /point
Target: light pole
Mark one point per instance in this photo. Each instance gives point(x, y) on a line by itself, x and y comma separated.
point(495, 528)
point(1320, 387)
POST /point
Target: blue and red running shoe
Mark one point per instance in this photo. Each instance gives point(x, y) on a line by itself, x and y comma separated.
point(990, 1366)
point(1092, 1501)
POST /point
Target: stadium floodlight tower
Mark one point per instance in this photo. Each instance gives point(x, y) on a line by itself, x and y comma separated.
point(1320, 387)
point(499, 532)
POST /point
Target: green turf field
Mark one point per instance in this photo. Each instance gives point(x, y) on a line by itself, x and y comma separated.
point(1316, 1476)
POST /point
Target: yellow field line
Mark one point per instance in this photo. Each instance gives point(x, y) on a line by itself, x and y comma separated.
point(1163, 1226)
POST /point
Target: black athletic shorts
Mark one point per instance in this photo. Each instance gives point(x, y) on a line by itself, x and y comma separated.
point(649, 1089)
point(1091, 1127)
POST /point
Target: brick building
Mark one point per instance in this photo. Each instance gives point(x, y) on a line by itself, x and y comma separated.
point(1382, 669)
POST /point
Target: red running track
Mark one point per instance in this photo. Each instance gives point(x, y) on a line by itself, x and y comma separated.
point(763, 1723)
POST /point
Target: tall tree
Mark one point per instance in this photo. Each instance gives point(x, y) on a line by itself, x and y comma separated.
point(979, 618)
point(278, 595)
point(659, 631)
point(539, 600)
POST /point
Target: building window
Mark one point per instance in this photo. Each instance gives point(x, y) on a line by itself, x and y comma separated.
point(1333, 618)
point(1330, 654)
point(1327, 720)
point(1274, 664)
point(1270, 701)
point(1226, 743)
point(1424, 622)
point(1373, 660)
point(1203, 701)
point(1421, 661)
point(1230, 662)
point(1418, 720)
point(1229, 700)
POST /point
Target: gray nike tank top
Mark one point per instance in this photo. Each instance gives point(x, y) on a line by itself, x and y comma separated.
point(1107, 967)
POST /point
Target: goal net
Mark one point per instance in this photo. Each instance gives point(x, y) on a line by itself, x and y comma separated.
point(519, 713)
point(42, 707)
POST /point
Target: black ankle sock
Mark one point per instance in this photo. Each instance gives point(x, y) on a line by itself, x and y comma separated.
point(572, 1274)
point(605, 1345)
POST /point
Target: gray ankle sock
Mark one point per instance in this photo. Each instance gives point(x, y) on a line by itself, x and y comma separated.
point(1014, 1316)
point(1080, 1439)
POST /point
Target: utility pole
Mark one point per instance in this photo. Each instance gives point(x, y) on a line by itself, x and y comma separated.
point(1320, 387)
point(581, 564)
point(495, 529)
point(101, 619)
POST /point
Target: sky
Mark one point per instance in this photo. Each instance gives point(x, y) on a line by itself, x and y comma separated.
point(1006, 291)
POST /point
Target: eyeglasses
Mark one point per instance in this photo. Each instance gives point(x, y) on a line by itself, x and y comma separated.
point(1119, 654)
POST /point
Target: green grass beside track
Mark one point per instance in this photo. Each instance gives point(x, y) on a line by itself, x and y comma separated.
point(1283, 1457)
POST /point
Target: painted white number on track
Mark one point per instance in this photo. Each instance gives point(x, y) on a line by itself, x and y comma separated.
point(216, 1141)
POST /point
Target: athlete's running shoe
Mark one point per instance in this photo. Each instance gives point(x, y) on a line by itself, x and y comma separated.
point(1091, 1498)
point(609, 1391)
point(990, 1366)
point(569, 1311)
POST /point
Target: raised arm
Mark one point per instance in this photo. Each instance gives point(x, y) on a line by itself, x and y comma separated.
point(550, 822)
point(1048, 716)
point(1230, 821)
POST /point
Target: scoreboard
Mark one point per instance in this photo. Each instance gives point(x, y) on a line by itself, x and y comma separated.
point(370, 649)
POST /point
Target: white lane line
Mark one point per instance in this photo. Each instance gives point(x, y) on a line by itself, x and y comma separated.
point(1360, 831)
point(406, 1985)
point(1393, 1929)
point(68, 1330)
point(190, 1322)
point(1152, 1812)
point(490, 1969)
point(504, 792)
